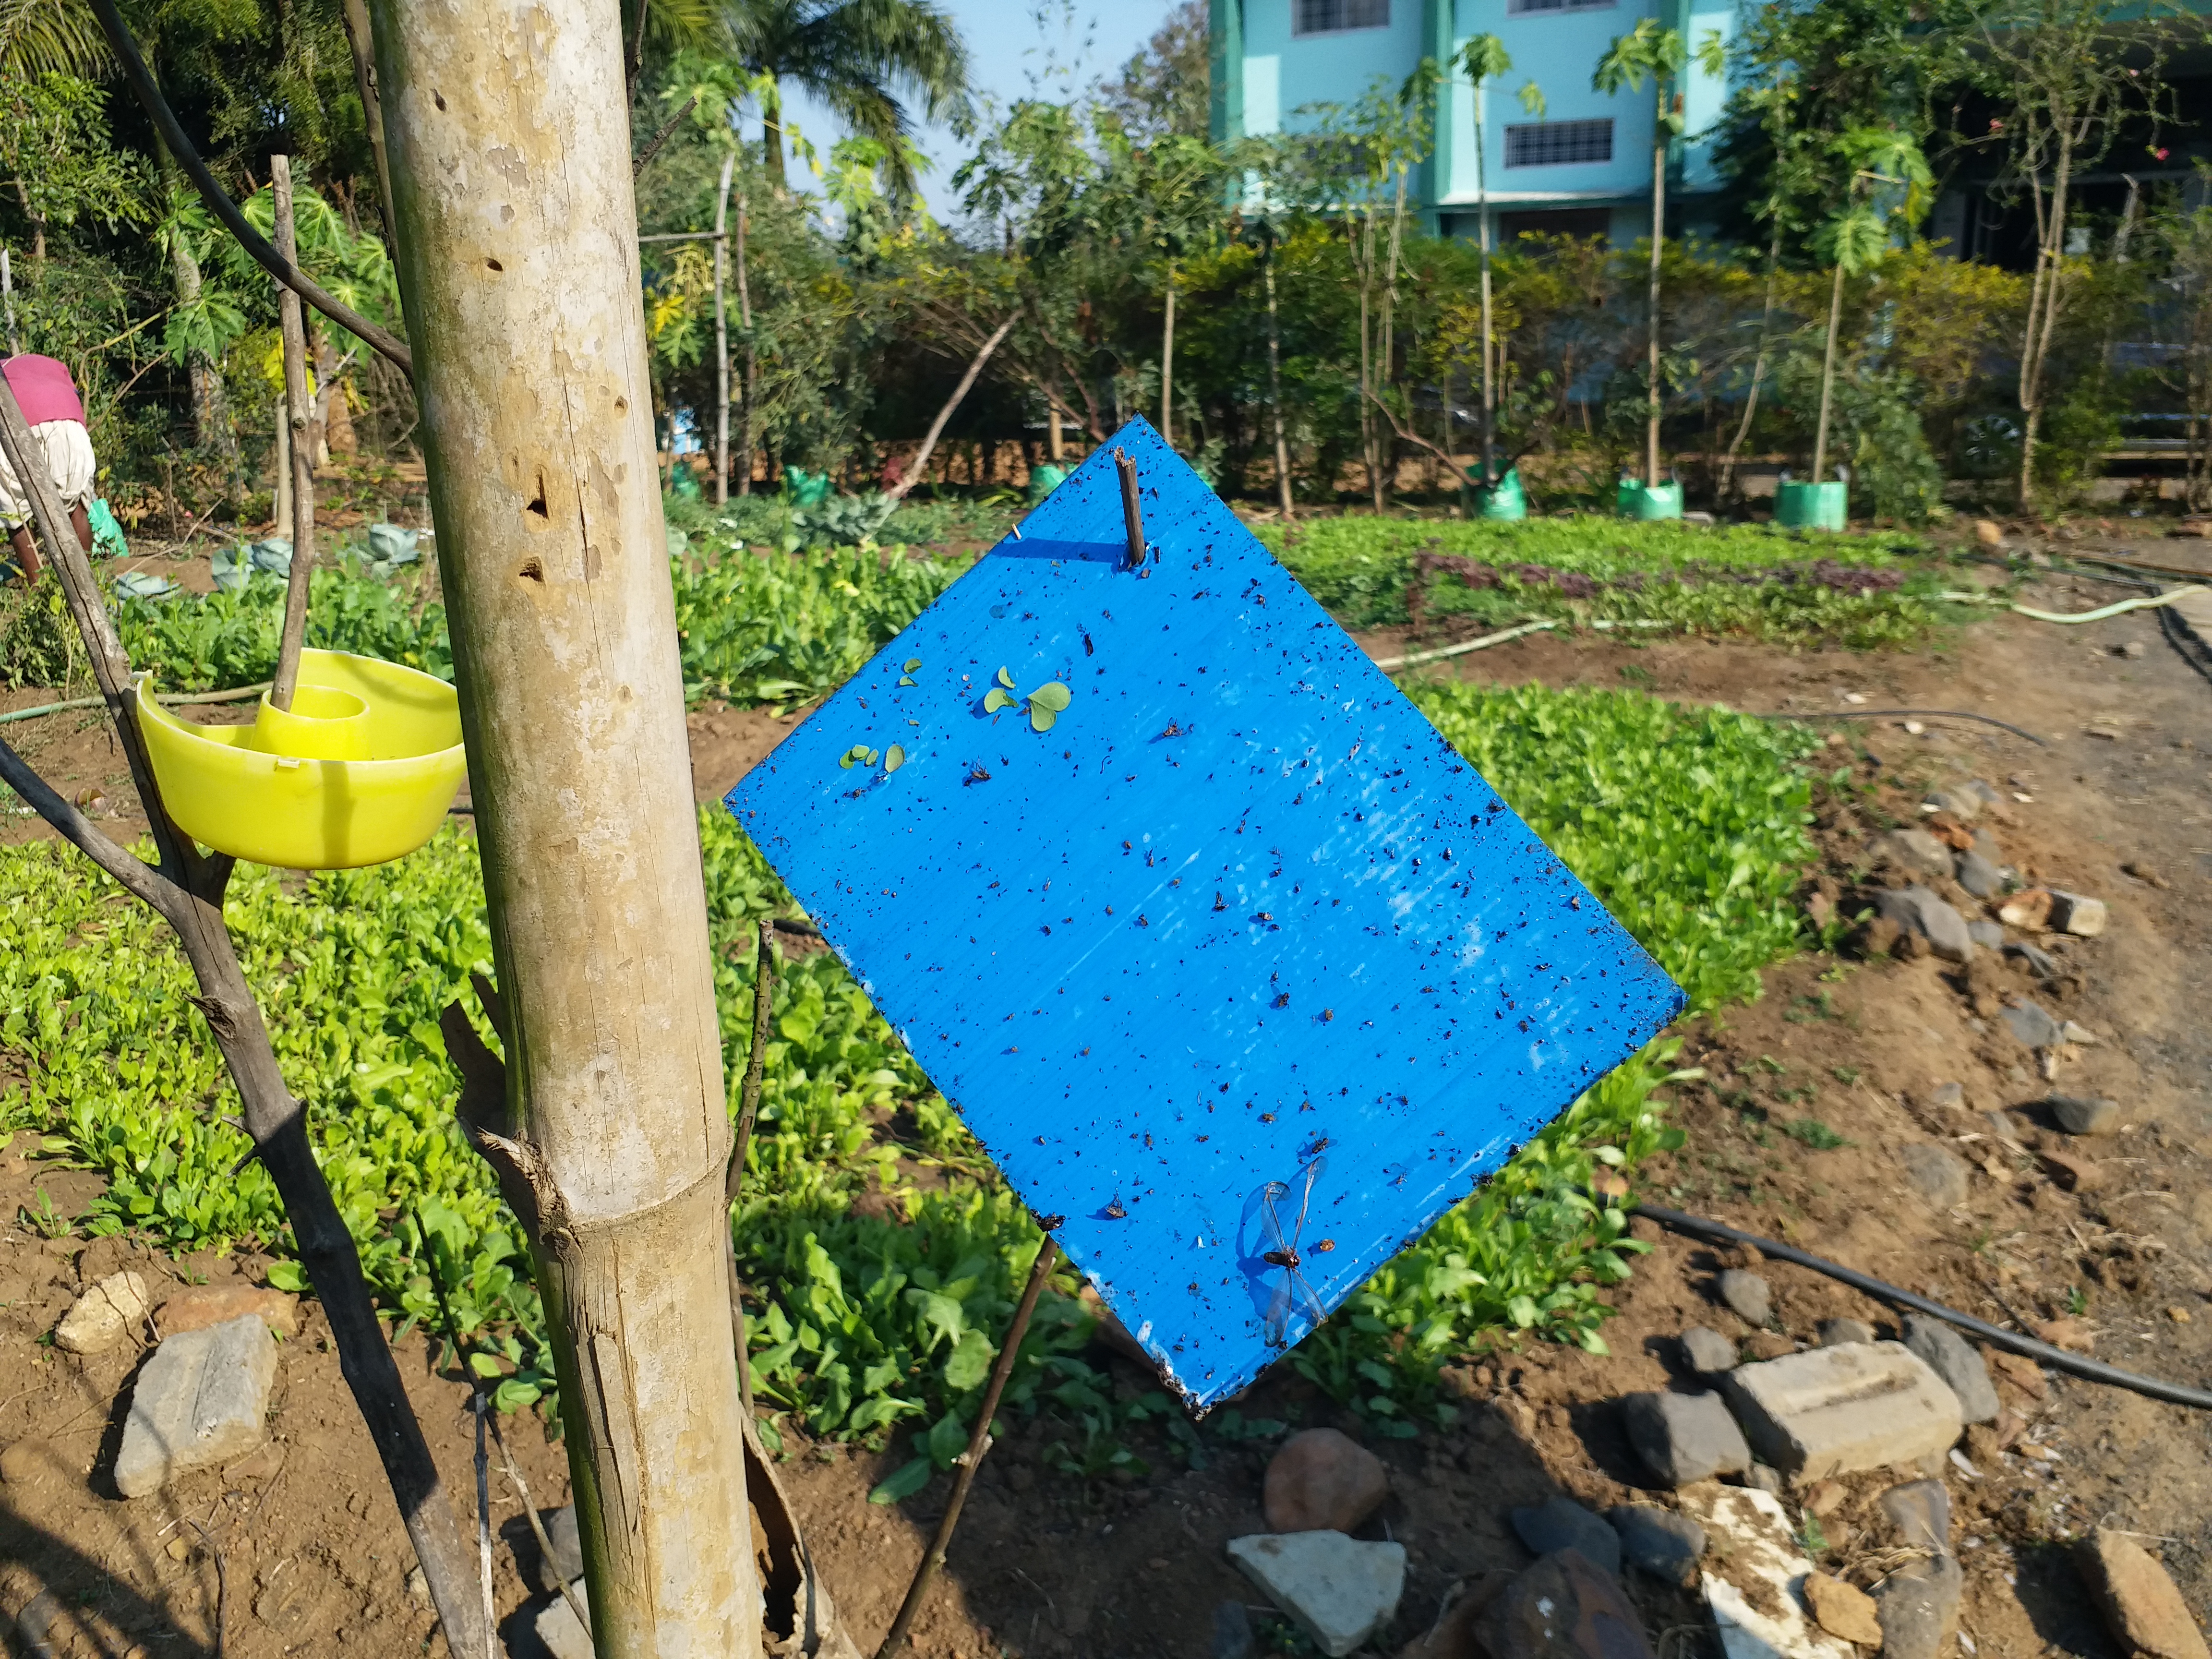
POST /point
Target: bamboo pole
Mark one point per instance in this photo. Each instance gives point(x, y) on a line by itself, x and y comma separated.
point(611, 1133)
point(745, 387)
point(292, 325)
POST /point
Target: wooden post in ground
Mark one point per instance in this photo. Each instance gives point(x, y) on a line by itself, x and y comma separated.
point(722, 334)
point(292, 325)
point(509, 143)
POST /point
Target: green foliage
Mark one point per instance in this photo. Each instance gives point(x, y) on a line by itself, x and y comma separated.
point(1367, 572)
point(1689, 824)
point(213, 641)
point(883, 1253)
point(787, 629)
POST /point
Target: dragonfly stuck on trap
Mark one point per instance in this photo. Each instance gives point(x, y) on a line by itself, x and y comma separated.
point(1167, 887)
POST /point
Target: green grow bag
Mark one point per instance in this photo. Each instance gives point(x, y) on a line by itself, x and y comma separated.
point(1504, 501)
point(1641, 500)
point(1044, 480)
point(1810, 506)
point(805, 488)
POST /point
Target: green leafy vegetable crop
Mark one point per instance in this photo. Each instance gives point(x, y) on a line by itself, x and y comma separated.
point(883, 1253)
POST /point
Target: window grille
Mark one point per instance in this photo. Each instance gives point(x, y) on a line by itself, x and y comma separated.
point(1333, 16)
point(1557, 143)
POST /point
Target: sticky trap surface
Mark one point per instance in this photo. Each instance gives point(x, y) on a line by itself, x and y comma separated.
point(1194, 917)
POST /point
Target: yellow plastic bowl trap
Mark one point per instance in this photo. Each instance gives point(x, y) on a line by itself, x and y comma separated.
point(360, 770)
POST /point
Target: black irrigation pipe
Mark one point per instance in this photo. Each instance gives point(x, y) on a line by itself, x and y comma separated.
point(2056, 1358)
point(1929, 714)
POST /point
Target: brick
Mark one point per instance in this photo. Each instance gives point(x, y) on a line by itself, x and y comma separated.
point(1835, 1411)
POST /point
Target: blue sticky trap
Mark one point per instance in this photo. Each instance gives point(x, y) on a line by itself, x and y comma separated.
point(1236, 922)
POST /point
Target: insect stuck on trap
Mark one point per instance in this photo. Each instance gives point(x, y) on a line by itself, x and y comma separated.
point(1293, 1291)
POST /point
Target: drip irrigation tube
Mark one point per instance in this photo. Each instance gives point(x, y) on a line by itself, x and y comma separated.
point(168, 697)
point(1929, 714)
point(2056, 1358)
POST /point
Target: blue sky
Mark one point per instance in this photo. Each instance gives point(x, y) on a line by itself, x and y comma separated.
point(1016, 47)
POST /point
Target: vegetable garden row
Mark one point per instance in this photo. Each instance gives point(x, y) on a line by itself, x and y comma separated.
point(883, 1250)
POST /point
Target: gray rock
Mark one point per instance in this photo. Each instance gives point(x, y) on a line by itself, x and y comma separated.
point(1954, 1359)
point(1340, 1590)
point(1962, 802)
point(1947, 1097)
point(1979, 875)
point(1918, 1607)
point(1985, 933)
point(558, 1630)
point(1920, 911)
point(1921, 1512)
point(201, 1399)
point(1760, 1477)
point(1987, 791)
point(1834, 1333)
point(1661, 1543)
point(2074, 913)
point(1986, 845)
point(1685, 1438)
point(1232, 1631)
point(1936, 1173)
point(1708, 1352)
point(1914, 851)
point(566, 1565)
point(36, 1623)
point(1836, 1411)
point(111, 1310)
point(1748, 1295)
point(2032, 1024)
point(2079, 1116)
point(1560, 1523)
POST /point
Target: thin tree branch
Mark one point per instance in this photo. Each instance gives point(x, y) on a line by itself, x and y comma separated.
point(219, 203)
point(653, 147)
point(912, 474)
point(135, 875)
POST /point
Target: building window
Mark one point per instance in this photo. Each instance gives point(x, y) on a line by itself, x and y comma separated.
point(1557, 143)
point(1334, 16)
point(1523, 8)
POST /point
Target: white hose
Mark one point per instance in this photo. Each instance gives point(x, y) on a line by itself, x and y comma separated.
point(2121, 607)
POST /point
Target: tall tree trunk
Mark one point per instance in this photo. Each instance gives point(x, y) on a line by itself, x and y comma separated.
point(1658, 239)
point(362, 39)
point(1758, 363)
point(336, 417)
point(38, 221)
point(1054, 444)
point(752, 362)
point(1489, 385)
point(772, 140)
point(1275, 381)
point(1167, 364)
point(211, 429)
point(522, 287)
point(722, 334)
point(2044, 297)
point(1828, 376)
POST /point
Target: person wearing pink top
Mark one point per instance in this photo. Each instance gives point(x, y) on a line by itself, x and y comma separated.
point(55, 413)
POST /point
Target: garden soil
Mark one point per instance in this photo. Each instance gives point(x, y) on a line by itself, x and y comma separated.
point(2119, 805)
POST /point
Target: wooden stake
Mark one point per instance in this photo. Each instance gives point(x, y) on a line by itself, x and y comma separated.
point(734, 1181)
point(1048, 1257)
point(1133, 510)
point(611, 1133)
point(292, 325)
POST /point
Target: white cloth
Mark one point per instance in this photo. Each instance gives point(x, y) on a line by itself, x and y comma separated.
point(69, 466)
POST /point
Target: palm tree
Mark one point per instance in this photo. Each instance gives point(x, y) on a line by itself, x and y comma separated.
point(1661, 54)
point(854, 56)
point(48, 37)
